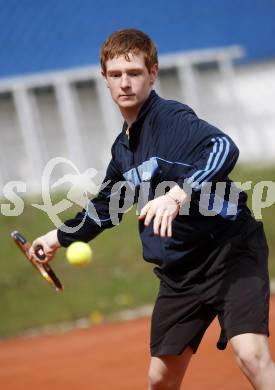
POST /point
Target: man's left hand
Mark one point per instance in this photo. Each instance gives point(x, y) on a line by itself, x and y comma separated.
point(163, 210)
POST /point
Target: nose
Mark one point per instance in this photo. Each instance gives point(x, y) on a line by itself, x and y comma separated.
point(125, 81)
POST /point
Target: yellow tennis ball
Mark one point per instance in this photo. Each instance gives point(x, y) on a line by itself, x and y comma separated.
point(79, 253)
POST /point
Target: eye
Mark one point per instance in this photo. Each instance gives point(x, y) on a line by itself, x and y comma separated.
point(115, 75)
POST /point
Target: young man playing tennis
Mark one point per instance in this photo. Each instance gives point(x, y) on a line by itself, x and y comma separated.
point(208, 265)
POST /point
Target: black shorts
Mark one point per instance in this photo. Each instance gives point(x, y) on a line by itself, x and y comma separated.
point(234, 286)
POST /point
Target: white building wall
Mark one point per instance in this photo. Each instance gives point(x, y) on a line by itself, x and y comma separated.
point(70, 114)
point(244, 109)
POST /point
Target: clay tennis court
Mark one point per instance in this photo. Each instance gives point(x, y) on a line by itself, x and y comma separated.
point(110, 356)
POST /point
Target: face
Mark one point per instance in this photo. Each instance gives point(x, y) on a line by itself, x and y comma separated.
point(130, 82)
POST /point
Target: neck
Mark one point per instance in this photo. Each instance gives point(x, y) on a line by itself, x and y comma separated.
point(130, 114)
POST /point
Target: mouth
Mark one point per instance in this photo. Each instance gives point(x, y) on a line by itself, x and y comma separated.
point(126, 95)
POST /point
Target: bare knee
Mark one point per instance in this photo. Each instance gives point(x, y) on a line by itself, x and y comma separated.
point(167, 372)
point(160, 380)
point(252, 357)
point(251, 360)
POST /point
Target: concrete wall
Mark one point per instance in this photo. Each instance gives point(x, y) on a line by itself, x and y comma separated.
point(71, 115)
point(244, 109)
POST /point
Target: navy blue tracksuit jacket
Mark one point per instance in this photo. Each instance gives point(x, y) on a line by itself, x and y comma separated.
point(168, 142)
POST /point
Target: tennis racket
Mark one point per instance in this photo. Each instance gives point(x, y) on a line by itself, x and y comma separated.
point(44, 269)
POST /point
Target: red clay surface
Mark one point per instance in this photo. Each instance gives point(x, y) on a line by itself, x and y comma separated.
point(111, 356)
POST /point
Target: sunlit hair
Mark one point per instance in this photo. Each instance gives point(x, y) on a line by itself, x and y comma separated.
point(127, 41)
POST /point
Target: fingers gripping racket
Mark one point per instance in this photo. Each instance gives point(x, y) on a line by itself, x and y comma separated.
point(44, 269)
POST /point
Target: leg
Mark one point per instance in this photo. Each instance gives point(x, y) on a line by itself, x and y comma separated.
point(179, 322)
point(254, 358)
point(166, 372)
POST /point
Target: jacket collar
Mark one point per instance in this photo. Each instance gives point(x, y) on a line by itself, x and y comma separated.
point(147, 105)
point(144, 109)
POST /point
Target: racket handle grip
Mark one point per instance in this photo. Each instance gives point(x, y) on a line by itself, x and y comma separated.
point(39, 252)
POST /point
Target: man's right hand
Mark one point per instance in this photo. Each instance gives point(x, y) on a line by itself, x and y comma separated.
point(49, 243)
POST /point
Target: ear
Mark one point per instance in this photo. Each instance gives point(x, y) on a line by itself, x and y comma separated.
point(105, 79)
point(154, 73)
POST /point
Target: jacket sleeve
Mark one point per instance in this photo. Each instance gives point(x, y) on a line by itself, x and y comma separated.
point(195, 151)
point(96, 217)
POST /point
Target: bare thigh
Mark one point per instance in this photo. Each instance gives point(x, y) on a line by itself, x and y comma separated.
point(251, 344)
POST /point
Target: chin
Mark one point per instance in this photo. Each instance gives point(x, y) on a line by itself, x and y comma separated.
point(127, 103)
